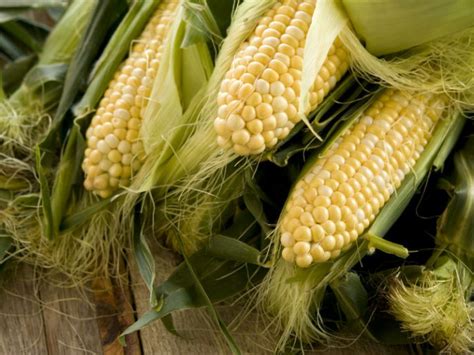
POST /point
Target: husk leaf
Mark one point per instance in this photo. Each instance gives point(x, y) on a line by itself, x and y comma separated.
point(387, 26)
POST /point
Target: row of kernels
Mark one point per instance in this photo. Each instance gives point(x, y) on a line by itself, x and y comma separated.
point(265, 85)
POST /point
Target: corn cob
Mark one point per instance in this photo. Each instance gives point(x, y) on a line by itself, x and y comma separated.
point(258, 99)
point(341, 194)
point(114, 151)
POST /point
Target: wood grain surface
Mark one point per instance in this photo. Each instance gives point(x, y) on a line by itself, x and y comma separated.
point(37, 317)
point(69, 319)
point(22, 329)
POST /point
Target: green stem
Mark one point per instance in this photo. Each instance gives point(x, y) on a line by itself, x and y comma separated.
point(386, 246)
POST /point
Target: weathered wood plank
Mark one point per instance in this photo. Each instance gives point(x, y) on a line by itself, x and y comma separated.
point(21, 322)
point(69, 320)
point(114, 310)
point(71, 324)
point(37, 317)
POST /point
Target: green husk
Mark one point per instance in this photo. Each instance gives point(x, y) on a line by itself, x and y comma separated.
point(68, 171)
point(15, 4)
point(306, 287)
point(18, 31)
point(437, 306)
point(388, 26)
point(207, 20)
point(456, 224)
point(14, 72)
point(25, 116)
point(328, 21)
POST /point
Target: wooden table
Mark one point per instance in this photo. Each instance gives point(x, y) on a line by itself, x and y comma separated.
point(37, 317)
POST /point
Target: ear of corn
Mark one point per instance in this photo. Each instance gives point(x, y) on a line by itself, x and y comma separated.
point(343, 190)
point(81, 261)
point(115, 152)
point(85, 218)
point(307, 288)
point(259, 97)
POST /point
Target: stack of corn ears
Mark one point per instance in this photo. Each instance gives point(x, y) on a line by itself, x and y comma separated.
point(278, 63)
point(378, 158)
point(262, 86)
point(168, 137)
point(267, 81)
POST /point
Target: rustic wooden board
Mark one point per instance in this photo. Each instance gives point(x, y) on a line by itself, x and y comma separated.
point(21, 319)
point(37, 317)
point(69, 321)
